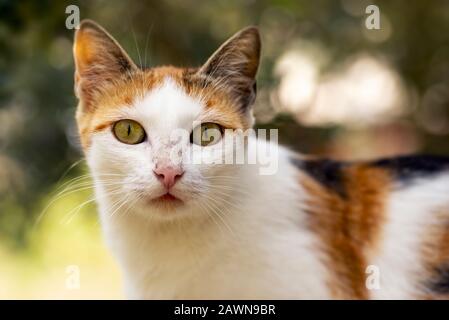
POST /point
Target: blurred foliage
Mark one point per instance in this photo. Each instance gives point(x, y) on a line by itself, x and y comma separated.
point(38, 139)
point(64, 259)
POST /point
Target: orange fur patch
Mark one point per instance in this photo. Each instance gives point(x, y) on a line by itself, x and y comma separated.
point(124, 92)
point(348, 226)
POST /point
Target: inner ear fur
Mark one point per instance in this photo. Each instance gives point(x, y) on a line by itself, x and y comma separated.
point(235, 65)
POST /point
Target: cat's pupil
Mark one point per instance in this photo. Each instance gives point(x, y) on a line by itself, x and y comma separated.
point(206, 135)
point(129, 129)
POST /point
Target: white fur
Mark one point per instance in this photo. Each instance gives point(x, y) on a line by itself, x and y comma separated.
point(411, 214)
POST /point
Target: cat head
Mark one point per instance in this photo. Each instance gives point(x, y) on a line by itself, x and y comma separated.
point(137, 125)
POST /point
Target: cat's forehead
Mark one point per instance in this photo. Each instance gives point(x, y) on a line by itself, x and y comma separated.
point(169, 93)
point(168, 105)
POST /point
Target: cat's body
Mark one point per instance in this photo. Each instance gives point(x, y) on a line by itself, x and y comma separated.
point(313, 229)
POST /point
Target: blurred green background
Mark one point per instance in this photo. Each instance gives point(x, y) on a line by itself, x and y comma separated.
point(332, 87)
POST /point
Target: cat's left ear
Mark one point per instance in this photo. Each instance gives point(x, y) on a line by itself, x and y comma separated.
point(235, 65)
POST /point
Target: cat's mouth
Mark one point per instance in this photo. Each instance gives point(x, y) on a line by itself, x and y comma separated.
point(167, 199)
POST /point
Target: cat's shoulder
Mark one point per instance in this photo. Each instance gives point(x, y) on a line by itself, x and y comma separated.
point(334, 174)
point(393, 206)
point(409, 167)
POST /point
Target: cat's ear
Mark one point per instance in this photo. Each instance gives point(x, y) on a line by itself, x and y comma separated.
point(235, 65)
point(99, 59)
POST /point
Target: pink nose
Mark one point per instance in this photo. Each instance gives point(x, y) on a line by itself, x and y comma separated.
point(168, 175)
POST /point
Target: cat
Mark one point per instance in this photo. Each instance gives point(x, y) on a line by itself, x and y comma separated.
point(315, 229)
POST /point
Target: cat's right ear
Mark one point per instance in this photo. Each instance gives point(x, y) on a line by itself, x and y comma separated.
point(99, 59)
point(235, 65)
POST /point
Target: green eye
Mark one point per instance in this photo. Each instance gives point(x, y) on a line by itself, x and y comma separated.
point(128, 131)
point(206, 134)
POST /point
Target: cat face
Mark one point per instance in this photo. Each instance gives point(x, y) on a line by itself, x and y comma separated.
point(155, 139)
